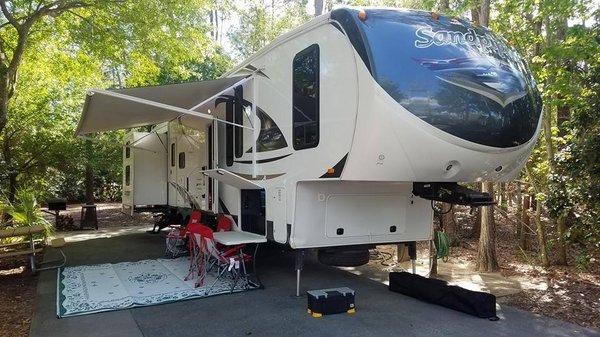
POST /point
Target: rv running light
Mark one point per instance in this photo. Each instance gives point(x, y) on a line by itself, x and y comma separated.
point(362, 15)
point(330, 170)
point(435, 16)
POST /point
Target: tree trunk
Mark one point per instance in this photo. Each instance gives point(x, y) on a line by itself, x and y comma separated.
point(509, 194)
point(525, 223)
point(541, 235)
point(519, 215)
point(484, 13)
point(502, 193)
point(477, 224)
point(444, 6)
point(486, 254)
point(562, 245)
point(448, 223)
point(318, 7)
point(4, 97)
point(475, 15)
point(12, 187)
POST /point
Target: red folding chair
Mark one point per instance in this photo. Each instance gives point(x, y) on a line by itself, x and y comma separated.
point(176, 237)
point(224, 223)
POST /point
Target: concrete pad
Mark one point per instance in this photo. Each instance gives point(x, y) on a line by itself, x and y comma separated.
point(274, 311)
point(455, 271)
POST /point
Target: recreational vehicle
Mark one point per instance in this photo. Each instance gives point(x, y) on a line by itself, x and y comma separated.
point(339, 133)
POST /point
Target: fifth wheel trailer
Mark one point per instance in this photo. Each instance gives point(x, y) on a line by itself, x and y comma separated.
point(340, 133)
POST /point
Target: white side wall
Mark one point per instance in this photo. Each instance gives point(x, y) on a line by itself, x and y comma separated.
point(147, 164)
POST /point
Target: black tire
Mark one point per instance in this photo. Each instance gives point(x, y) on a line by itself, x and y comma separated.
point(344, 257)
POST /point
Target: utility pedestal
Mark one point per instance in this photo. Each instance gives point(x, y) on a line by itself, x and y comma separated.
point(89, 218)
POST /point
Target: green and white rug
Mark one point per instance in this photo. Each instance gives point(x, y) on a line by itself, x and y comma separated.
point(106, 287)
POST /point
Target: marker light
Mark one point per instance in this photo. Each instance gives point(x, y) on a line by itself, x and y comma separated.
point(362, 15)
point(330, 170)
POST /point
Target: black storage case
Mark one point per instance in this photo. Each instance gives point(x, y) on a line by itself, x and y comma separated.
point(438, 292)
point(330, 301)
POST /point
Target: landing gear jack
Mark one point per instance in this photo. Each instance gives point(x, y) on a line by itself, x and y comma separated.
point(412, 252)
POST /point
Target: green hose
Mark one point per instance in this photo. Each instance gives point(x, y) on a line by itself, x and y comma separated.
point(442, 245)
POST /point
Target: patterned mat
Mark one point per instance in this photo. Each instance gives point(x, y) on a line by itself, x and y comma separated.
point(107, 287)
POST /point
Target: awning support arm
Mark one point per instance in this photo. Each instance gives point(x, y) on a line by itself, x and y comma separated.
point(255, 123)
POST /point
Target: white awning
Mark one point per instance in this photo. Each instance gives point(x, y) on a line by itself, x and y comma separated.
point(106, 110)
point(232, 179)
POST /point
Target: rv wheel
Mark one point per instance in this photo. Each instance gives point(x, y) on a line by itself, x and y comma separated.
point(353, 257)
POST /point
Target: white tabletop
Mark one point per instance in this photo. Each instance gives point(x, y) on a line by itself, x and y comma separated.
point(232, 238)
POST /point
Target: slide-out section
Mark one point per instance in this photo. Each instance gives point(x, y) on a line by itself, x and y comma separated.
point(144, 170)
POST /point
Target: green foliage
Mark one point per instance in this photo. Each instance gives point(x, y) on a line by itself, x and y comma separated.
point(107, 45)
point(261, 23)
point(579, 162)
point(25, 211)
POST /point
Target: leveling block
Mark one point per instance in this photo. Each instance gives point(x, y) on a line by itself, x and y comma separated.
point(330, 301)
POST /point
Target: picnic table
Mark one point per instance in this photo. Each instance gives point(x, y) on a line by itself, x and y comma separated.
point(25, 247)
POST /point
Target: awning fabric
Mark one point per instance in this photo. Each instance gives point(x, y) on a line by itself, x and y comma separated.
point(232, 179)
point(127, 108)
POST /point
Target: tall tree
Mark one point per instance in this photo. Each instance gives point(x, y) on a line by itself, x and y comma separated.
point(486, 253)
point(318, 7)
point(18, 21)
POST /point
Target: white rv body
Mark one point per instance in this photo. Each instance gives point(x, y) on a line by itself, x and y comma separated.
point(353, 183)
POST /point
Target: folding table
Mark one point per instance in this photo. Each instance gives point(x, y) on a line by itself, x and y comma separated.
point(234, 238)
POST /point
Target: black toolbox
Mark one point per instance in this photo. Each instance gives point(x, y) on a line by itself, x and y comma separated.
point(330, 301)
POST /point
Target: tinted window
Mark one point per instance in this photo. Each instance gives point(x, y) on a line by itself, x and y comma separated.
point(127, 175)
point(460, 78)
point(229, 134)
point(181, 160)
point(239, 119)
point(127, 150)
point(305, 98)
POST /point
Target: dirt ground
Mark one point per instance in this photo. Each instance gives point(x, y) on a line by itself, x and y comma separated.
point(571, 293)
point(17, 292)
point(568, 293)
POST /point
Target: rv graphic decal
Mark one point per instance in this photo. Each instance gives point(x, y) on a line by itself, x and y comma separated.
point(483, 42)
point(270, 137)
point(488, 77)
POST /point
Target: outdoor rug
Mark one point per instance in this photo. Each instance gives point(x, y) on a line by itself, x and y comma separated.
point(106, 287)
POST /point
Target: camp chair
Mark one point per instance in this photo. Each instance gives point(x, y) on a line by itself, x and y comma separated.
point(228, 260)
point(56, 244)
point(224, 223)
point(175, 238)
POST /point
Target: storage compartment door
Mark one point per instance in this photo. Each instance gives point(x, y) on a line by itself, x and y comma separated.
point(365, 215)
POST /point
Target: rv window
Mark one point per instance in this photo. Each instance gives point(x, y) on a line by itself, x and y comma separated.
point(127, 150)
point(305, 98)
point(181, 160)
point(127, 175)
point(172, 154)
